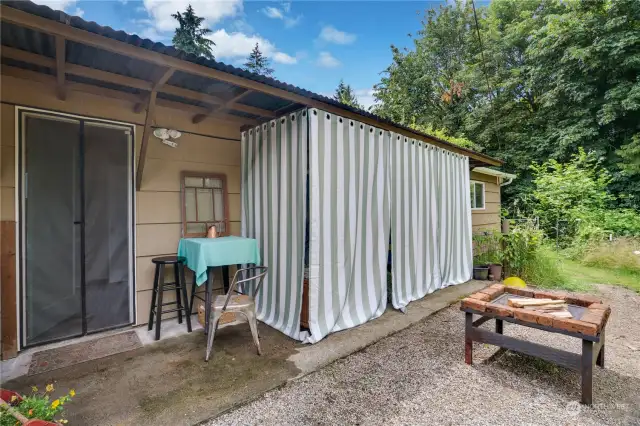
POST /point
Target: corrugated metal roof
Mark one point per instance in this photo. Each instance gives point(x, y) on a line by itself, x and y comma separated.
point(41, 43)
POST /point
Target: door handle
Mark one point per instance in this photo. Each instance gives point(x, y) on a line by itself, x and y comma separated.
point(77, 222)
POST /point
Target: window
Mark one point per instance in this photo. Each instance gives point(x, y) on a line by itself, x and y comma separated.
point(204, 203)
point(477, 195)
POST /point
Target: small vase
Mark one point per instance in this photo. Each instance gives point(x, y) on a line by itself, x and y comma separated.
point(212, 232)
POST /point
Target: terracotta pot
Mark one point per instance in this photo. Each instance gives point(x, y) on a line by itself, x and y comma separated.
point(6, 396)
point(480, 272)
point(495, 271)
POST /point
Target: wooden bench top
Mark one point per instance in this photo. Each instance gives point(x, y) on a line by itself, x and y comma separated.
point(590, 314)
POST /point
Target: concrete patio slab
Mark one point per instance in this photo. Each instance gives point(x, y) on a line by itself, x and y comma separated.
point(168, 382)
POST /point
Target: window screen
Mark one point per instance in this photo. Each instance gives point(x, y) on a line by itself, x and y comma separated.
point(477, 195)
point(204, 203)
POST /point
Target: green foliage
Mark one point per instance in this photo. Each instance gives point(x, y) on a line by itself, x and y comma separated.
point(562, 191)
point(190, 36)
point(442, 134)
point(345, 94)
point(551, 76)
point(520, 249)
point(487, 248)
point(38, 405)
point(258, 63)
point(616, 254)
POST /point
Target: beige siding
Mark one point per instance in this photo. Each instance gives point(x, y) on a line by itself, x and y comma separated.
point(489, 217)
point(206, 148)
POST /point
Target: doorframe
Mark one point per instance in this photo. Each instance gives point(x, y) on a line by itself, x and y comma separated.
point(20, 145)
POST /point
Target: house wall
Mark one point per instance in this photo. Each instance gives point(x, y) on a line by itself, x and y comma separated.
point(489, 218)
point(209, 146)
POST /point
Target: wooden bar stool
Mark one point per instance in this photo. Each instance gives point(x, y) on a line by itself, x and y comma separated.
point(159, 286)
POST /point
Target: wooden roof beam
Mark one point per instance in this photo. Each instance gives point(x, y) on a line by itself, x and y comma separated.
point(116, 94)
point(60, 67)
point(225, 106)
point(148, 120)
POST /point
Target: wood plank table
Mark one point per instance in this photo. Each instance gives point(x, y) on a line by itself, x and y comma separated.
point(590, 317)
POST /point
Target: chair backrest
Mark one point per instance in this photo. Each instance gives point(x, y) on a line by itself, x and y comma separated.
point(259, 273)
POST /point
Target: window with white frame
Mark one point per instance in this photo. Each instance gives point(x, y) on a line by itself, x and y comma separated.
point(477, 195)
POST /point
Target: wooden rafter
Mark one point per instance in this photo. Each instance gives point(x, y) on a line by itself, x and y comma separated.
point(224, 107)
point(116, 94)
point(60, 67)
point(122, 80)
point(24, 19)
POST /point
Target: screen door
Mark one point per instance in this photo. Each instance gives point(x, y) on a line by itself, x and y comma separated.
point(77, 226)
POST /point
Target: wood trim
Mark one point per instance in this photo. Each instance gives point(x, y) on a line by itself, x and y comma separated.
point(9, 332)
point(225, 195)
point(60, 67)
point(18, 17)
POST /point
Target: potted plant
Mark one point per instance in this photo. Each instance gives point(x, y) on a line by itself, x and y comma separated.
point(480, 257)
point(495, 255)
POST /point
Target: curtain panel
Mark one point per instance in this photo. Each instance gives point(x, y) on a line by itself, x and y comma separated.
point(430, 219)
point(273, 192)
point(349, 223)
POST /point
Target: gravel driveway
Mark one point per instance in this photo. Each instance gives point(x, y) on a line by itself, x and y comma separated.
point(418, 376)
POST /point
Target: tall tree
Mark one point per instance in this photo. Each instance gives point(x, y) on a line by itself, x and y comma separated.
point(345, 94)
point(258, 63)
point(532, 80)
point(190, 35)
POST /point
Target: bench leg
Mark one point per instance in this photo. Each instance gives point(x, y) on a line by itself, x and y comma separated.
point(600, 359)
point(499, 326)
point(468, 343)
point(586, 372)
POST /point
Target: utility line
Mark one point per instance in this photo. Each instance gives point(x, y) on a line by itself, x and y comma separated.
point(484, 63)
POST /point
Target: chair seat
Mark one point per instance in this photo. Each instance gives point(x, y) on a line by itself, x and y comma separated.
point(237, 302)
point(168, 260)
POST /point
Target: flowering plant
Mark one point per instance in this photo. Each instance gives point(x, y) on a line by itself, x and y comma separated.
point(38, 405)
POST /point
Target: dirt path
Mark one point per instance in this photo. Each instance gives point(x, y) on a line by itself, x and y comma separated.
point(418, 376)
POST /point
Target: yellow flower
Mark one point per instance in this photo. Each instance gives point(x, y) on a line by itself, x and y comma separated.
point(49, 388)
point(55, 404)
point(13, 398)
point(64, 421)
point(33, 388)
point(72, 392)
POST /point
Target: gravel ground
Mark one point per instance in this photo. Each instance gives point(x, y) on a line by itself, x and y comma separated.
point(418, 376)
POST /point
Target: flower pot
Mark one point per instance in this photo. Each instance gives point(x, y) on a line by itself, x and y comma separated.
point(480, 272)
point(7, 396)
point(495, 271)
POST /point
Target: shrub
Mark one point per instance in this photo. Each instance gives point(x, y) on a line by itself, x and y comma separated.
point(487, 248)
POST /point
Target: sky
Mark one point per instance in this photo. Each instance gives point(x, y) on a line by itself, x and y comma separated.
point(312, 44)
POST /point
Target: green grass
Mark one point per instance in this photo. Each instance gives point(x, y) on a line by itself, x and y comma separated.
point(581, 275)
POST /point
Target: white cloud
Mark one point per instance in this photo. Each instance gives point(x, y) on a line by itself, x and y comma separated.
point(365, 97)
point(78, 12)
point(283, 15)
point(332, 35)
point(327, 60)
point(211, 10)
point(58, 4)
point(238, 45)
point(273, 12)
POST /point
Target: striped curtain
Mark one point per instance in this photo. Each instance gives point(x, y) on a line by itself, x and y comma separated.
point(430, 219)
point(349, 223)
point(274, 172)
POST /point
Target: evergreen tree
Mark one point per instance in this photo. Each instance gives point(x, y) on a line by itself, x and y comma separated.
point(190, 36)
point(258, 63)
point(345, 94)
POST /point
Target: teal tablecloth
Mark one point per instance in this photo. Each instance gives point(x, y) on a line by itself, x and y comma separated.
point(202, 253)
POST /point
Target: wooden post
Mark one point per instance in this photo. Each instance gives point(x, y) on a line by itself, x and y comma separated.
point(468, 343)
point(586, 372)
point(60, 67)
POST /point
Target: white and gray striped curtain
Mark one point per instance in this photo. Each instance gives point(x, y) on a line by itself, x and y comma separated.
point(349, 223)
point(274, 172)
point(430, 219)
